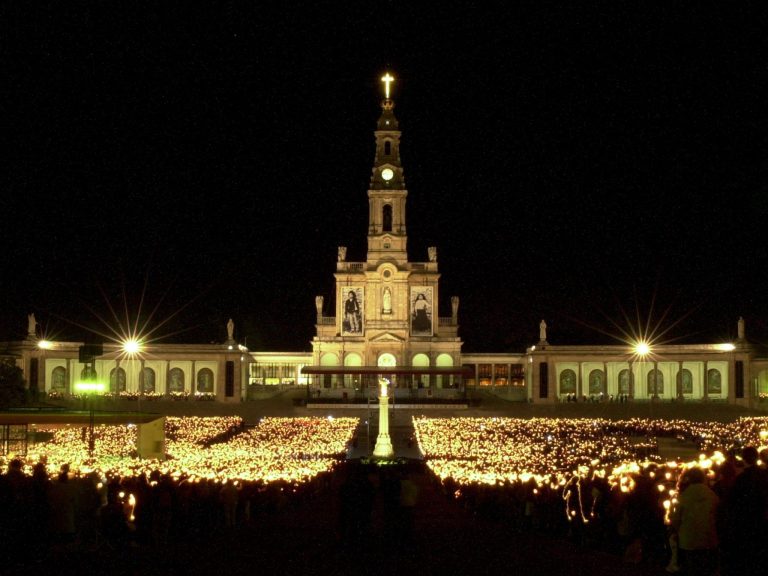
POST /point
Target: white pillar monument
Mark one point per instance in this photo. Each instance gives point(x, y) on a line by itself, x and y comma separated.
point(383, 448)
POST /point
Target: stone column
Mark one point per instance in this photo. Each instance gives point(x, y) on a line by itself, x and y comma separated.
point(705, 384)
point(383, 448)
point(579, 384)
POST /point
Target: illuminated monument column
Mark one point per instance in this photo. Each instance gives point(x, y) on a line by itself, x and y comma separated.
point(383, 448)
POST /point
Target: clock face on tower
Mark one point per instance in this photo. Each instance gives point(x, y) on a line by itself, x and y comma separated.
point(387, 174)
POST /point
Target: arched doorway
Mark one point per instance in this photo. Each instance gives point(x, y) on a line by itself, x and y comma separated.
point(59, 381)
point(328, 359)
point(762, 385)
point(421, 380)
point(387, 360)
point(176, 381)
point(624, 382)
point(117, 379)
point(655, 383)
point(352, 380)
point(147, 382)
point(714, 382)
point(597, 384)
point(567, 381)
point(684, 382)
point(205, 381)
point(444, 361)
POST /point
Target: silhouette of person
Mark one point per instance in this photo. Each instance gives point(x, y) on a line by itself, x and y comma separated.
point(694, 519)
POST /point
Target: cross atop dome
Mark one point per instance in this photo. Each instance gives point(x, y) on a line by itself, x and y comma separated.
point(387, 79)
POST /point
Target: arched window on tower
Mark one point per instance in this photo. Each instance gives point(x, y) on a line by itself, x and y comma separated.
point(387, 148)
point(387, 218)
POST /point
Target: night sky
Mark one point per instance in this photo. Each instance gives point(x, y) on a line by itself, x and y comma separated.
point(588, 163)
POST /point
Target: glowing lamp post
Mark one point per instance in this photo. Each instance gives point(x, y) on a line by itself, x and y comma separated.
point(642, 350)
point(132, 348)
point(34, 386)
point(383, 448)
point(89, 388)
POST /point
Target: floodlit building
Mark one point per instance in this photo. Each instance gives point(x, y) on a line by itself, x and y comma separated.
point(729, 372)
point(385, 323)
point(386, 318)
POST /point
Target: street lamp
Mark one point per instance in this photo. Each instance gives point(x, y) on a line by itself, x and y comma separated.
point(642, 349)
point(42, 346)
point(131, 348)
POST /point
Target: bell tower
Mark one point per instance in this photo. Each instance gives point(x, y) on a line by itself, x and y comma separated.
point(387, 238)
point(386, 307)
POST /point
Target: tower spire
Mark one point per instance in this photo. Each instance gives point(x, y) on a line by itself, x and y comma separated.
point(387, 193)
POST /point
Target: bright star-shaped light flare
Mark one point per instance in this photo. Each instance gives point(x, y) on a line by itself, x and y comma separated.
point(131, 346)
point(642, 348)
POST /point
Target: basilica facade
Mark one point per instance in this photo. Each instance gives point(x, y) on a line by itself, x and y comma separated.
point(386, 318)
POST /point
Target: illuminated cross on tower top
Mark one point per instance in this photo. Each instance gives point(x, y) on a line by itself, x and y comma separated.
point(387, 79)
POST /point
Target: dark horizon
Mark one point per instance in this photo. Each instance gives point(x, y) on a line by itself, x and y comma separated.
point(586, 165)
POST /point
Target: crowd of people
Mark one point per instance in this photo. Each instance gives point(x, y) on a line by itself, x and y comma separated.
point(45, 513)
point(218, 474)
point(579, 478)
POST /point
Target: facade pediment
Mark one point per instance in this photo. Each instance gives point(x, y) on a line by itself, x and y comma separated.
point(386, 337)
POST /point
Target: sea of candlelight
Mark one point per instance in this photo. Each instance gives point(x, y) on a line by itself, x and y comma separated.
point(221, 448)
